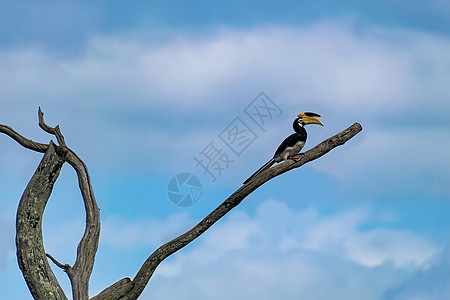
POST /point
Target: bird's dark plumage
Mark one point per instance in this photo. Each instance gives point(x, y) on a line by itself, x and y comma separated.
point(293, 143)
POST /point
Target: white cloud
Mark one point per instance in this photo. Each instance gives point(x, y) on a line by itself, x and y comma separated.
point(331, 67)
point(329, 63)
point(276, 252)
point(371, 75)
point(340, 235)
point(406, 159)
point(430, 284)
point(288, 254)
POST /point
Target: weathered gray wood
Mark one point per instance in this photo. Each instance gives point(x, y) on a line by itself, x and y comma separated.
point(30, 249)
point(29, 144)
point(81, 271)
point(115, 291)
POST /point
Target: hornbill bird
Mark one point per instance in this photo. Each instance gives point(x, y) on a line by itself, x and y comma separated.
point(293, 143)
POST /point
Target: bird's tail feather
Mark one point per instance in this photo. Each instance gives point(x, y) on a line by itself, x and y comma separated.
point(266, 166)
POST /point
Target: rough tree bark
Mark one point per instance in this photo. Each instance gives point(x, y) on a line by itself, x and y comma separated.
point(30, 248)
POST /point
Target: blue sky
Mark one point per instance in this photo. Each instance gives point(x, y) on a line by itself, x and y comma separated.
point(140, 89)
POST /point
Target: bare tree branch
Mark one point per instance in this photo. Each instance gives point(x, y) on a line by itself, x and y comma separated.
point(81, 271)
point(143, 276)
point(55, 131)
point(87, 248)
point(65, 267)
point(115, 291)
point(29, 144)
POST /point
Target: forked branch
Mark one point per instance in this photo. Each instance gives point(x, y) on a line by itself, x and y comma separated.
point(30, 212)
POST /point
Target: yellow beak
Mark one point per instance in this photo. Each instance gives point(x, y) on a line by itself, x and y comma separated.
point(310, 119)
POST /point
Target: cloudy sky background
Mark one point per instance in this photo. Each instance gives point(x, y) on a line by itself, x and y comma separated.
point(140, 89)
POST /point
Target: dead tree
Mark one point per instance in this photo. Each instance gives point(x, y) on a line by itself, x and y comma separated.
point(33, 261)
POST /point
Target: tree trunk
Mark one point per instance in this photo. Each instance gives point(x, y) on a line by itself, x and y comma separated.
point(30, 248)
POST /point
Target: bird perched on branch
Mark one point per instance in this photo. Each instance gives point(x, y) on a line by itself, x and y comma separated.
point(293, 143)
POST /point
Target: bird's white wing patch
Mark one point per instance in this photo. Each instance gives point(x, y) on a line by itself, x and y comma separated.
point(290, 151)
